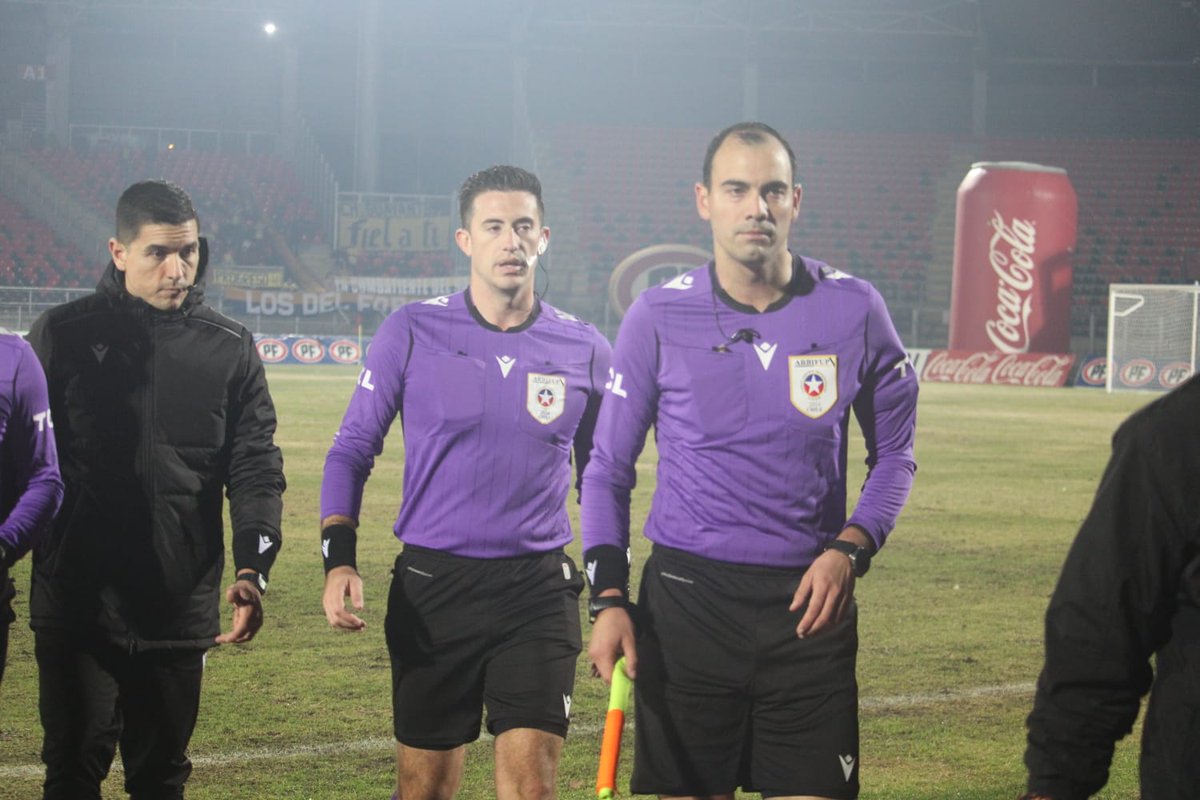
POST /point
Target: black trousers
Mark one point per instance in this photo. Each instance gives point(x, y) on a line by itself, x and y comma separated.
point(7, 617)
point(94, 695)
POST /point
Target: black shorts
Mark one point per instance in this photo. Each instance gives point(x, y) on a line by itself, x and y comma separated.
point(464, 633)
point(728, 696)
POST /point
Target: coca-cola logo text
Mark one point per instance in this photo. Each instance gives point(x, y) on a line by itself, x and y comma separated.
point(1013, 369)
point(1010, 254)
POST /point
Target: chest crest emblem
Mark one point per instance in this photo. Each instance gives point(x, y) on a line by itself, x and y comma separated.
point(545, 397)
point(813, 383)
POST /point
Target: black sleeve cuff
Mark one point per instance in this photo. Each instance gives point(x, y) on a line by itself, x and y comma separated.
point(339, 545)
point(256, 552)
point(607, 567)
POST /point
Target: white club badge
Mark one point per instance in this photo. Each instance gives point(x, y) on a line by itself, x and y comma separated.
point(813, 383)
point(545, 397)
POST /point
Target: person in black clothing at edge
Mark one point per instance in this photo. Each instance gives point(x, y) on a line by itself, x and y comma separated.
point(160, 406)
point(1129, 590)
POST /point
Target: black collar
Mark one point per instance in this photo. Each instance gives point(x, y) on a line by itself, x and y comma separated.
point(532, 318)
point(801, 283)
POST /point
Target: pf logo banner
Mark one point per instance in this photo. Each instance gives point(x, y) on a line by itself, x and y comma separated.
point(308, 351)
point(271, 351)
point(1093, 372)
point(345, 351)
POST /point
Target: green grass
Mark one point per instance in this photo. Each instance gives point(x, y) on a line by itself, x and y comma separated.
point(950, 619)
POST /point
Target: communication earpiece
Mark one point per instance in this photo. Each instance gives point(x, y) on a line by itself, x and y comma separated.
point(541, 246)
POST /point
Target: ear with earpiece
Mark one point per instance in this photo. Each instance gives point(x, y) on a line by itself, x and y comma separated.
point(541, 246)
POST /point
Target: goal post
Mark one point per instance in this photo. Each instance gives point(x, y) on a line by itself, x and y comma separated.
point(1152, 335)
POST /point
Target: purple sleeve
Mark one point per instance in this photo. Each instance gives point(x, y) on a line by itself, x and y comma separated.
point(585, 433)
point(886, 409)
point(629, 408)
point(373, 406)
point(30, 459)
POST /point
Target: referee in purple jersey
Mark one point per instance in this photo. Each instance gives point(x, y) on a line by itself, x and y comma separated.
point(495, 389)
point(30, 486)
point(744, 639)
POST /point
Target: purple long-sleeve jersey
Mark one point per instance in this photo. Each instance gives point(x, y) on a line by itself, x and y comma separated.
point(752, 437)
point(489, 420)
point(30, 486)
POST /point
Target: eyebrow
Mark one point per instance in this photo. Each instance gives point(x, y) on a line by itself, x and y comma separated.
point(518, 221)
point(773, 186)
point(160, 246)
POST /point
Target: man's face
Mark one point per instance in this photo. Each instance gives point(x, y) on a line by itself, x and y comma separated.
point(160, 263)
point(503, 241)
point(752, 201)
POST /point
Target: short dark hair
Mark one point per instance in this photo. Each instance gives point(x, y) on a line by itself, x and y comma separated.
point(499, 178)
point(750, 133)
point(157, 202)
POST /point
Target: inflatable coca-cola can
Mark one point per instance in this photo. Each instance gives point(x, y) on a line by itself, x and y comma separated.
point(1013, 244)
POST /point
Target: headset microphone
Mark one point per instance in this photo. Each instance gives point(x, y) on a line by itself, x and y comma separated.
point(740, 335)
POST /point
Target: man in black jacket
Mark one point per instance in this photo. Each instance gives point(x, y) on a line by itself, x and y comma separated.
point(160, 405)
point(1129, 590)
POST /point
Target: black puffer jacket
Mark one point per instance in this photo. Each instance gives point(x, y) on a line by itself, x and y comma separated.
point(1129, 591)
point(156, 413)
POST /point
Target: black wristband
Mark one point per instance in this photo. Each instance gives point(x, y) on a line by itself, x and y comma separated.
point(255, 551)
point(607, 568)
point(339, 544)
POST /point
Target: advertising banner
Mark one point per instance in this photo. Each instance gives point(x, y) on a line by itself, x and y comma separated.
point(1152, 374)
point(246, 277)
point(996, 368)
point(1013, 241)
point(288, 303)
point(393, 222)
point(310, 349)
point(1093, 371)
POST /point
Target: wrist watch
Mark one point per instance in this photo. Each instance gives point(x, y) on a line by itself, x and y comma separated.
point(860, 557)
point(597, 604)
point(257, 578)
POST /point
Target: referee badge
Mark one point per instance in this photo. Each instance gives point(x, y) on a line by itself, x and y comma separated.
point(813, 383)
point(545, 397)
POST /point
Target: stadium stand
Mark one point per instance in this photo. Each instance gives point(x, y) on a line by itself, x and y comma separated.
point(874, 205)
point(31, 255)
point(239, 196)
point(871, 202)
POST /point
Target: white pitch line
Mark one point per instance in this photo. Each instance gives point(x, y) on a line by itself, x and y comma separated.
point(867, 704)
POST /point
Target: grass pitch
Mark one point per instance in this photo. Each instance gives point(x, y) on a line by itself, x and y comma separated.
point(950, 617)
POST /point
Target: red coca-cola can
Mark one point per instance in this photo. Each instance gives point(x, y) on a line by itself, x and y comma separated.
point(1013, 244)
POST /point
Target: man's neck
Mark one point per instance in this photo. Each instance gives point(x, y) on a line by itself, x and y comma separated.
point(755, 285)
point(502, 309)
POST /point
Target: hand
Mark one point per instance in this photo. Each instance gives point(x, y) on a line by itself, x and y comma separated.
point(612, 637)
point(340, 583)
point(828, 589)
point(246, 600)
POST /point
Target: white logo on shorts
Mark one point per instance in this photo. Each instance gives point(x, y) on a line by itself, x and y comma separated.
point(566, 571)
point(847, 766)
point(567, 705)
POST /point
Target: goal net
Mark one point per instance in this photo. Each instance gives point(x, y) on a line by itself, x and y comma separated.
point(1152, 335)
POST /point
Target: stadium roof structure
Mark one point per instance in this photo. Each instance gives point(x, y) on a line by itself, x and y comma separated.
point(1064, 31)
